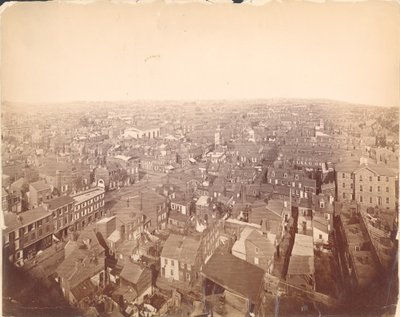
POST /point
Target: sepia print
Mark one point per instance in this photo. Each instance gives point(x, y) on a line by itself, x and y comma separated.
point(200, 159)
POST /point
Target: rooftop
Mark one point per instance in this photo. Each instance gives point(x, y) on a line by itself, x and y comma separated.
point(40, 185)
point(58, 202)
point(89, 194)
point(181, 248)
point(303, 245)
point(235, 275)
point(13, 221)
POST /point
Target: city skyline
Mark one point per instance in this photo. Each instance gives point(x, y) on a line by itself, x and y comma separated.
point(109, 52)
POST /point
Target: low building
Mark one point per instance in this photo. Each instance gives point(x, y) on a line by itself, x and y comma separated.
point(136, 280)
point(180, 258)
point(83, 271)
point(301, 269)
point(241, 281)
point(39, 192)
point(254, 247)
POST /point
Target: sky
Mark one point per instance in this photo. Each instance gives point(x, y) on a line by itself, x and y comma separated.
point(62, 52)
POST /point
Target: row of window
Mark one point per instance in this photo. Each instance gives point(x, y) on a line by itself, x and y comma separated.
point(362, 188)
point(60, 211)
point(181, 265)
point(33, 226)
point(379, 200)
point(285, 175)
point(293, 184)
point(87, 203)
point(361, 199)
point(369, 178)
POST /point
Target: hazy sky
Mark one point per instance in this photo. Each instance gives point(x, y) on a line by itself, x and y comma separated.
point(64, 52)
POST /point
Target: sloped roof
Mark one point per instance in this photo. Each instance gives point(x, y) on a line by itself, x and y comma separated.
point(261, 242)
point(235, 275)
point(303, 245)
point(84, 289)
point(11, 219)
point(299, 265)
point(40, 185)
point(181, 248)
point(59, 202)
point(131, 271)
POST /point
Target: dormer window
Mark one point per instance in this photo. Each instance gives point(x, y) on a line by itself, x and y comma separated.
point(296, 177)
point(285, 175)
point(322, 204)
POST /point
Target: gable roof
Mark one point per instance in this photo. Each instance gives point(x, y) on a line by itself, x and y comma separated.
point(235, 275)
point(131, 272)
point(40, 185)
point(181, 248)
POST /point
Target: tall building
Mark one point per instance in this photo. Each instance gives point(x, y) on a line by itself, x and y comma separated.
point(370, 185)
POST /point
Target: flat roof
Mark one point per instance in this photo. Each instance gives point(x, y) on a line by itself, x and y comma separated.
point(81, 197)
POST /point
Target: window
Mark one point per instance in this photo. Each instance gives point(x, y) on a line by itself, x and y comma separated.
point(361, 188)
point(387, 200)
point(379, 178)
point(172, 263)
point(361, 199)
point(387, 189)
point(344, 175)
point(370, 200)
point(370, 189)
point(344, 185)
point(285, 175)
point(387, 178)
point(322, 204)
point(187, 276)
point(344, 195)
point(166, 261)
point(257, 250)
point(172, 272)
point(370, 178)
point(256, 261)
point(320, 236)
point(379, 188)
point(360, 178)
